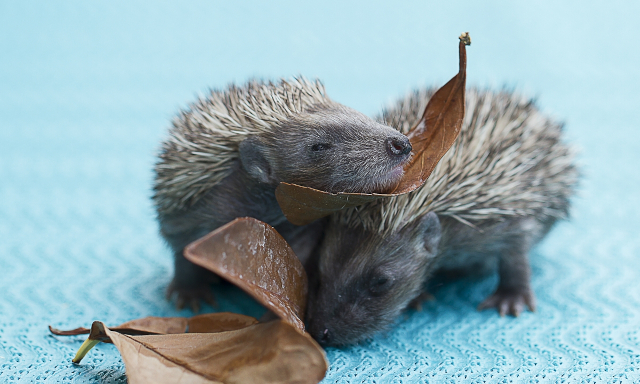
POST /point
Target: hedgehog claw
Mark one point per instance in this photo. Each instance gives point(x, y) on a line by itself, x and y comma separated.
point(511, 302)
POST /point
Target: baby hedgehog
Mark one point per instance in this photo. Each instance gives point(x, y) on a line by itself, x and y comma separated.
point(227, 152)
point(492, 197)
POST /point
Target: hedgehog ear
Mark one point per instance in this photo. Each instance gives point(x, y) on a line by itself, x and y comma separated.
point(431, 231)
point(254, 160)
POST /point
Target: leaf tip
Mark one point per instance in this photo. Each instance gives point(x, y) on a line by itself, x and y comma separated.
point(465, 38)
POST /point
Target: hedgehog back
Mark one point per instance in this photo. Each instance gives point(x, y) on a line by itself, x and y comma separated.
point(509, 160)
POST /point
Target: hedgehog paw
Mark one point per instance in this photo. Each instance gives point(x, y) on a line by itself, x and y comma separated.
point(191, 296)
point(510, 301)
point(416, 304)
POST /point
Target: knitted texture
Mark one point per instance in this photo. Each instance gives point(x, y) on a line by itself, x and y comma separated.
point(87, 96)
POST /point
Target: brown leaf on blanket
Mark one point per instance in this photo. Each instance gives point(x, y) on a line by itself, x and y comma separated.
point(259, 353)
point(145, 326)
point(210, 322)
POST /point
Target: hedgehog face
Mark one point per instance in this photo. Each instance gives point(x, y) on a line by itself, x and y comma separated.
point(333, 149)
point(361, 281)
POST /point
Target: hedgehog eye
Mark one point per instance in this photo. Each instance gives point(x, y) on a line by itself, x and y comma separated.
point(320, 147)
point(379, 285)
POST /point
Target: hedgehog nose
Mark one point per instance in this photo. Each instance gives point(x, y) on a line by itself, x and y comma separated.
point(398, 147)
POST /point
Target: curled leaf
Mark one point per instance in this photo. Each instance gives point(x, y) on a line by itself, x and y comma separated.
point(260, 353)
point(219, 322)
point(208, 323)
point(145, 326)
point(303, 205)
point(430, 139)
point(157, 325)
point(252, 255)
point(438, 128)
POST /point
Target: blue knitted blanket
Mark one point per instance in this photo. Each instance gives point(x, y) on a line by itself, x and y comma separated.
point(86, 95)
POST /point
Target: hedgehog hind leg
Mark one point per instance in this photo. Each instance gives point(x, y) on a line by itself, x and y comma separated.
point(191, 285)
point(514, 293)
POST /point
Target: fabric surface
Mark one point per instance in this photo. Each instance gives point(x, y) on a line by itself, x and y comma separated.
point(86, 95)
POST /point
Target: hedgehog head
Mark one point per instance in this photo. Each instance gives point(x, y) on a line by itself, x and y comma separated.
point(364, 279)
point(332, 148)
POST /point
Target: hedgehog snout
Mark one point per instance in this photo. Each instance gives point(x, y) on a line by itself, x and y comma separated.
point(325, 338)
point(322, 334)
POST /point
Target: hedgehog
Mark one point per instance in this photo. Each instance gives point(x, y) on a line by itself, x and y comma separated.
point(228, 151)
point(495, 194)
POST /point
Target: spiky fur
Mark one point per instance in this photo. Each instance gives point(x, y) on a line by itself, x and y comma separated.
point(203, 141)
point(476, 179)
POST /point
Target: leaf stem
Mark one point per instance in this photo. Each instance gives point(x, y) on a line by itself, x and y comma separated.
point(84, 349)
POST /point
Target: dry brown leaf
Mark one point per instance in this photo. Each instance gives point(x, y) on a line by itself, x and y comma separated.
point(253, 256)
point(210, 322)
point(273, 352)
point(219, 322)
point(431, 138)
point(146, 326)
point(235, 349)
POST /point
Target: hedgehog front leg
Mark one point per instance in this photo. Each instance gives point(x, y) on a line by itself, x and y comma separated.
point(514, 289)
point(191, 284)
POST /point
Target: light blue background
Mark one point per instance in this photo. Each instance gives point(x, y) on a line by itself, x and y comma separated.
point(87, 92)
